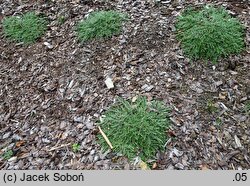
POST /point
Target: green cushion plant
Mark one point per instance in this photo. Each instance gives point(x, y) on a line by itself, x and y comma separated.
point(247, 107)
point(26, 28)
point(209, 33)
point(100, 24)
point(136, 129)
point(7, 154)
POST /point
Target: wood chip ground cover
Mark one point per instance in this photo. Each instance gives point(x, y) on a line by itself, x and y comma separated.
point(53, 91)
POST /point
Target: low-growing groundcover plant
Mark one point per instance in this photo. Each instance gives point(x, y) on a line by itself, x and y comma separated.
point(76, 147)
point(247, 107)
point(100, 24)
point(8, 154)
point(136, 129)
point(210, 33)
point(26, 28)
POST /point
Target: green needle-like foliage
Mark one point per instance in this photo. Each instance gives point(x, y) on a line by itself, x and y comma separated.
point(136, 128)
point(7, 155)
point(26, 28)
point(247, 107)
point(209, 33)
point(101, 24)
point(76, 147)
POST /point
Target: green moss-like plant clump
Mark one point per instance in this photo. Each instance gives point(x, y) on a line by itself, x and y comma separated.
point(101, 24)
point(8, 154)
point(26, 28)
point(247, 107)
point(137, 128)
point(209, 33)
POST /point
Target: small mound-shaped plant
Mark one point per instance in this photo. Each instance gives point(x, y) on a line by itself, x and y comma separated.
point(247, 107)
point(26, 28)
point(209, 33)
point(101, 24)
point(136, 129)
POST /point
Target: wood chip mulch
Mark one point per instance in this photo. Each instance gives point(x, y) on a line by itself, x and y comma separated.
point(53, 91)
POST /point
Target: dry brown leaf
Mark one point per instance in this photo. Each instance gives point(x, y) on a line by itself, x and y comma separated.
point(20, 143)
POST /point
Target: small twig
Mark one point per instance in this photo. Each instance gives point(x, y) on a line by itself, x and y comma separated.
point(105, 137)
point(61, 146)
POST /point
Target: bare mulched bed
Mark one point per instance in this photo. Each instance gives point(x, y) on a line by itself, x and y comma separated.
point(53, 92)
